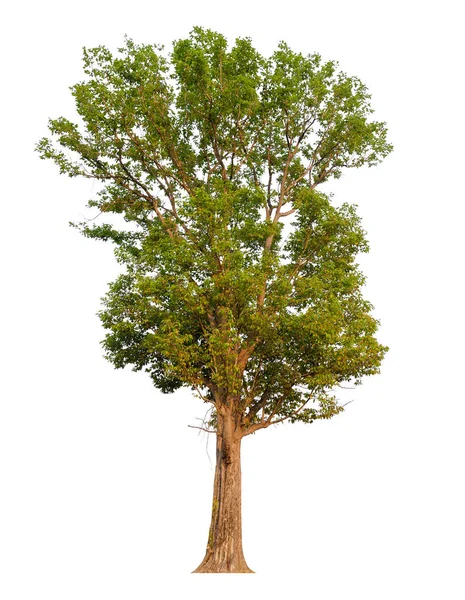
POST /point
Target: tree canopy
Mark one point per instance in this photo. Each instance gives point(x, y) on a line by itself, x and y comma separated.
point(240, 275)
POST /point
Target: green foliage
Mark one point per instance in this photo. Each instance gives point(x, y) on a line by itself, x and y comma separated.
point(201, 156)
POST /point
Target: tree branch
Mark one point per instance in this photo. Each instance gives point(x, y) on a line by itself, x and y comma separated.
point(203, 429)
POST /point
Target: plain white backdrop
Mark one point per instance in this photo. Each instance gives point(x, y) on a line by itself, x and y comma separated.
point(105, 491)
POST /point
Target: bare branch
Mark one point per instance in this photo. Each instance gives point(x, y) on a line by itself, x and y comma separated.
point(203, 429)
point(287, 213)
point(253, 410)
point(269, 421)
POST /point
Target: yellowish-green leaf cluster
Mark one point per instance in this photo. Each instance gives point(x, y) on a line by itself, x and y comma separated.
point(200, 157)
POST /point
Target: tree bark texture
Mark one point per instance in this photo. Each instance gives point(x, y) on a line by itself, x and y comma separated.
point(224, 549)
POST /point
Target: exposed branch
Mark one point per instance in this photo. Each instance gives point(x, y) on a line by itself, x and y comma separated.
point(288, 212)
point(203, 429)
point(269, 421)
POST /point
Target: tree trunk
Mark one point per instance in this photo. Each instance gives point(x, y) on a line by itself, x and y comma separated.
point(224, 549)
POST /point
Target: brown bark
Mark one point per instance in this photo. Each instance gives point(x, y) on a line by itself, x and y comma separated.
point(224, 549)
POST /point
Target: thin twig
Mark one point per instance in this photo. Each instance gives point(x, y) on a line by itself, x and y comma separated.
point(203, 429)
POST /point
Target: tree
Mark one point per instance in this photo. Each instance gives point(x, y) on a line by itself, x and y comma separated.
point(240, 276)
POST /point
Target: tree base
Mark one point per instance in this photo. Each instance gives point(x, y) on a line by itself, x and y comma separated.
point(210, 565)
point(212, 569)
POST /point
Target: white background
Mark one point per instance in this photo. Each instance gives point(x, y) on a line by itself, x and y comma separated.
point(105, 491)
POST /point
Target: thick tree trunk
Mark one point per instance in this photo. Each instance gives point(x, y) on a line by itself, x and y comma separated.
point(224, 549)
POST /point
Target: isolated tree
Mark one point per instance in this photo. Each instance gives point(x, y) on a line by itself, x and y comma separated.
point(240, 276)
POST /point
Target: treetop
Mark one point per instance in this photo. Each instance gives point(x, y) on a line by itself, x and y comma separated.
point(201, 156)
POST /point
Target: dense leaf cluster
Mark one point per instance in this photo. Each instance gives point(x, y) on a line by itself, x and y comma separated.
point(203, 156)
